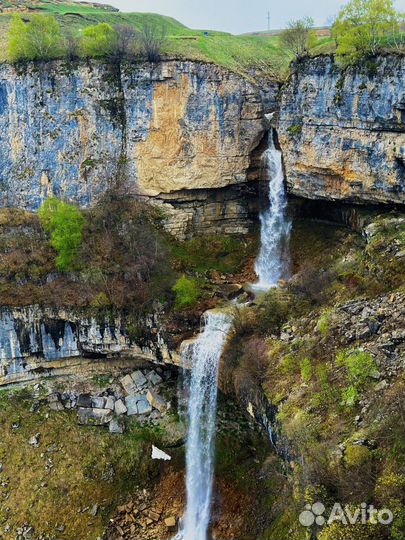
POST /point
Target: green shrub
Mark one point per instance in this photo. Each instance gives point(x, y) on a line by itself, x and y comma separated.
point(360, 366)
point(187, 292)
point(289, 364)
point(101, 301)
point(350, 396)
point(306, 369)
point(357, 455)
point(39, 39)
point(390, 485)
point(346, 531)
point(275, 310)
point(295, 129)
point(98, 40)
point(64, 222)
point(324, 321)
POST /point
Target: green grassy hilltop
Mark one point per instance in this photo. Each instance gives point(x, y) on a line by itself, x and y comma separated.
point(225, 49)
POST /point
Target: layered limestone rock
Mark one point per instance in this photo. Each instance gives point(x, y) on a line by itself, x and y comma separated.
point(342, 132)
point(35, 340)
point(74, 130)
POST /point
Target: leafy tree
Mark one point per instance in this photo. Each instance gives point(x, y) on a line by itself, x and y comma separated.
point(187, 292)
point(152, 39)
point(39, 39)
point(98, 40)
point(64, 222)
point(299, 37)
point(361, 26)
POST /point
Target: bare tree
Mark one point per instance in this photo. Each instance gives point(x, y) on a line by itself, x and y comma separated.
point(152, 39)
point(71, 45)
point(299, 37)
point(125, 43)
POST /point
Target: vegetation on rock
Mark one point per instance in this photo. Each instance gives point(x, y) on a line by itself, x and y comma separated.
point(364, 27)
point(317, 350)
point(39, 39)
point(64, 222)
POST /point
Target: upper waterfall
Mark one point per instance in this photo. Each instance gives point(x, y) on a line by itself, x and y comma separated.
point(273, 262)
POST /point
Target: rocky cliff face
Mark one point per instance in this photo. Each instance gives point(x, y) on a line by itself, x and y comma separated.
point(343, 132)
point(75, 130)
point(38, 341)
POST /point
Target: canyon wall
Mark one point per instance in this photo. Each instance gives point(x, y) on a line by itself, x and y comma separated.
point(38, 342)
point(342, 132)
point(160, 131)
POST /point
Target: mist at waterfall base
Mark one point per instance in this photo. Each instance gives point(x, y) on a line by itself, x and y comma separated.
point(202, 356)
point(273, 262)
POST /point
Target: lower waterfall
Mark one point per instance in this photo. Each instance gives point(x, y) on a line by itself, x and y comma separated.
point(202, 356)
point(273, 262)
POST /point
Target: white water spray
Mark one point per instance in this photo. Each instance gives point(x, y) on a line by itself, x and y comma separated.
point(273, 262)
point(202, 356)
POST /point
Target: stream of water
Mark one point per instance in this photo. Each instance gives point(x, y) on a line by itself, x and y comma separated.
point(202, 356)
point(273, 262)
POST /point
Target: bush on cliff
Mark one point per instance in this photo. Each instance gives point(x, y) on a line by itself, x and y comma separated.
point(39, 39)
point(187, 292)
point(64, 222)
point(98, 40)
point(362, 26)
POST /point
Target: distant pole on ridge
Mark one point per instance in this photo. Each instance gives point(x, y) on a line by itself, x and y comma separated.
point(268, 21)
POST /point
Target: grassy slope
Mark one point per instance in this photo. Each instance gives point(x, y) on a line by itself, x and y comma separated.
point(231, 51)
point(57, 484)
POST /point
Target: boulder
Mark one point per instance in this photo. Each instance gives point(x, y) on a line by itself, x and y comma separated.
point(139, 379)
point(131, 404)
point(109, 403)
point(170, 523)
point(34, 440)
point(128, 384)
point(98, 402)
point(116, 426)
point(94, 417)
point(156, 401)
point(84, 400)
point(119, 407)
point(55, 403)
point(382, 385)
point(144, 407)
point(134, 382)
point(154, 378)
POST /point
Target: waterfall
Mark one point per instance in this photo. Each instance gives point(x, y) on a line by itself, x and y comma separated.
point(202, 356)
point(273, 262)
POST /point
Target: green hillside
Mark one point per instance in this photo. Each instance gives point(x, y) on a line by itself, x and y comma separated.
point(235, 52)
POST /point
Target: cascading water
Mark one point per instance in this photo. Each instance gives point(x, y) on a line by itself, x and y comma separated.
point(273, 262)
point(202, 356)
